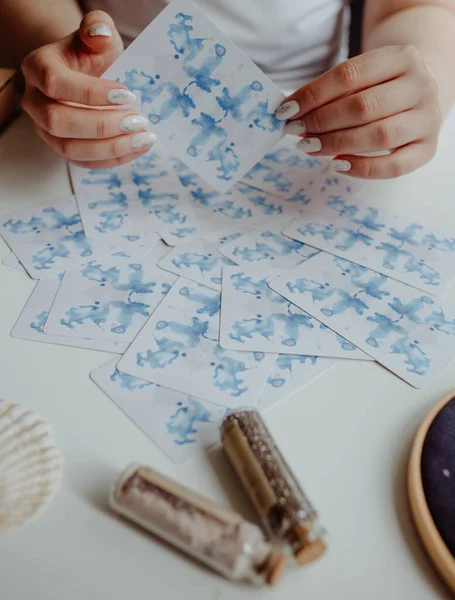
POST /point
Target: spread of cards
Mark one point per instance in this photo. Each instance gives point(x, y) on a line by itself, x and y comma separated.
point(224, 268)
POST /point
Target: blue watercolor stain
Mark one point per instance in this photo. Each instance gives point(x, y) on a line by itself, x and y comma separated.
point(225, 156)
point(205, 263)
point(128, 382)
point(122, 312)
point(40, 321)
point(169, 349)
point(210, 304)
point(105, 177)
point(45, 258)
point(227, 373)
point(182, 424)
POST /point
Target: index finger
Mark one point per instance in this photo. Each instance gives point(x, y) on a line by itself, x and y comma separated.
point(46, 71)
point(351, 76)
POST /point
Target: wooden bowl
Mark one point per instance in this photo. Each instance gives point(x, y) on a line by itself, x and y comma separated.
point(440, 555)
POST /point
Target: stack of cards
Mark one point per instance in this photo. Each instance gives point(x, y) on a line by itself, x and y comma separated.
point(269, 268)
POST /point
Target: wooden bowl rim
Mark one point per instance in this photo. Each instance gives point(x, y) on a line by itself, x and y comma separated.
point(431, 538)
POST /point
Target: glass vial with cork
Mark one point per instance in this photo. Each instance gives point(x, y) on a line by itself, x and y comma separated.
point(285, 510)
point(216, 536)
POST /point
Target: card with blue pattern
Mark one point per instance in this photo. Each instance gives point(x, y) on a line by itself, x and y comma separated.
point(181, 425)
point(255, 318)
point(406, 330)
point(209, 104)
point(109, 299)
point(49, 239)
point(373, 237)
point(179, 348)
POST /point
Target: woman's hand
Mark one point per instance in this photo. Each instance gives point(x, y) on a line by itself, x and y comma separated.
point(381, 100)
point(68, 72)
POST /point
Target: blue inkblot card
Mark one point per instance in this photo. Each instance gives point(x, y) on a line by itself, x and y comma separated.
point(255, 318)
point(181, 425)
point(209, 104)
point(389, 243)
point(199, 261)
point(30, 324)
point(178, 348)
point(267, 246)
point(286, 172)
point(110, 299)
point(49, 238)
point(404, 329)
point(130, 201)
point(223, 214)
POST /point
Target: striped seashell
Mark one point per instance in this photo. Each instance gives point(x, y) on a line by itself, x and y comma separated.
point(30, 465)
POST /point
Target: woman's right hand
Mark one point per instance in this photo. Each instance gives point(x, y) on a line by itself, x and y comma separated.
point(68, 71)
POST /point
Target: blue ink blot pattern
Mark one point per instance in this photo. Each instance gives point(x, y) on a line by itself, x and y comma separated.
point(122, 297)
point(397, 325)
point(49, 239)
point(195, 78)
point(40, 321)
point(199, 261)
point(285, 172)
point(181, 425)
point(132, 200)
point(254, 317)
point(378, 240)
point(127, 382)
point(224, 213)
point(285, 365)
point(181, 338)
point(268, 246)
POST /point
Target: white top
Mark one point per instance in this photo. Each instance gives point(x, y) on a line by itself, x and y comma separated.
point(292, 41)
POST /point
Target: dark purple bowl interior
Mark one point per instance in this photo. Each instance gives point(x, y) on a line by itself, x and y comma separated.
point(438, 473)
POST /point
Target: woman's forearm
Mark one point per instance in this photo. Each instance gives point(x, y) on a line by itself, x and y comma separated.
point(28, 24)
point(428, 25)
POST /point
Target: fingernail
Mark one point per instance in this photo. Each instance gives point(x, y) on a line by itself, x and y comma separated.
point(340, 165)
point(287, 110)
point(133, 123)
point(296, 127)
point(309, 145)
point(143, 140)
point(121, 97)
point(99, 29)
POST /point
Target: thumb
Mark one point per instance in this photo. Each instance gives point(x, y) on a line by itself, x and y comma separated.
point(97, 42)
point(69, 70)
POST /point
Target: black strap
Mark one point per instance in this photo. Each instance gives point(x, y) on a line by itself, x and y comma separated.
point(355, 32)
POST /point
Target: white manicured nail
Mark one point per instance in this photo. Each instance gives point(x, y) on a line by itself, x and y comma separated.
point(121, 97)
point(100, 29)
point(296, 127)
point(287, 110)
point(133, 123)
point(143, 140)
point(309, 145)
point(340, 165)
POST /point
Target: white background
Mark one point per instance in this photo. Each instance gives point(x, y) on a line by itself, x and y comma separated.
point(347, 436)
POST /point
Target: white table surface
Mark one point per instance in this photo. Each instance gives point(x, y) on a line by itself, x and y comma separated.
point(347, 435)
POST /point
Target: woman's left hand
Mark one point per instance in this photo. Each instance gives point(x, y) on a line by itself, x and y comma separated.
point(384, 99)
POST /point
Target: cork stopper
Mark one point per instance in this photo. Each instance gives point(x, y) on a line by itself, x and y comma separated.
point(310, 552)
point(275, 567)
point(306, 551)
